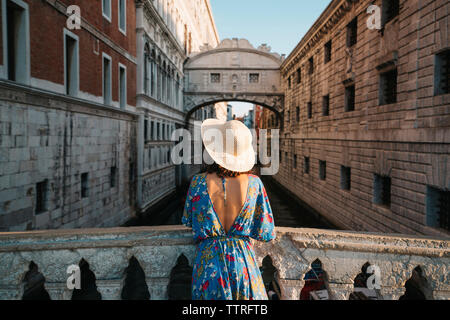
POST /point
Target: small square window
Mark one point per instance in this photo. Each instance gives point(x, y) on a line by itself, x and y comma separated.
point(327, 49)
point(350, 98)
point(84, 185)
point(41, 197)
point(352, 33)
point(442, 73)
point(326, 105)
point(307, 165)
point(253, 78)
point(309, 109)
point(215, 77)
point(382, 190)
point(322, 170)
point(438, 208)
point(388, 87)
point(346, 178)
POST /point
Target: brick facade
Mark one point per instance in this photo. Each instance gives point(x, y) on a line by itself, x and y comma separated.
point(407, 140)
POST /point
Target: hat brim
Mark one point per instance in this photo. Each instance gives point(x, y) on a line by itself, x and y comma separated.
point(242, 163)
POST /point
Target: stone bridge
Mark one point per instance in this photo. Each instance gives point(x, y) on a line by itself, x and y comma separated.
point(233, 71)
point(151, 262)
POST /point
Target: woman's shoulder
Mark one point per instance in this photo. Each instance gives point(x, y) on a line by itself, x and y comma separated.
point(255, 179)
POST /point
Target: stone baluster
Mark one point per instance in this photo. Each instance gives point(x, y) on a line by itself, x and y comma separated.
point(291, 289)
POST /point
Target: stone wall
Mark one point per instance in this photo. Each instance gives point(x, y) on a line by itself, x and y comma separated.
point(164, 252)
point(407, 140)
point(55, 139)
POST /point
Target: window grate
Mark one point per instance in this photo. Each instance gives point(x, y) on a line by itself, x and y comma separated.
point(299, 75)
point(444, 210)
point(382, 190)
point(350, 98)
point(309, 110)
point(388, 83)
point(443, 73)
point(345, 178)
point(253, 78)
point(307, 162)
point(84, 185)
point(326, 105)
point(322, 170)
point(41, 197)
point(215, 77)
point(352, 33)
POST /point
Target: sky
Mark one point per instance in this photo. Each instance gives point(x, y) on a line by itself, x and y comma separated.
point(280, 24)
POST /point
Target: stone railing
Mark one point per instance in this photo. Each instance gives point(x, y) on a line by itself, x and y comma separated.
point(157, 254)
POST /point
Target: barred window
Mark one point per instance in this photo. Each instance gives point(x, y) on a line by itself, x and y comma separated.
point(311, 65)
point(253, 78)
point(112, 177)
point(307, 165)
point(388, 87)
point(327, 52)
point(215, 77)
point(345, 178)
point(41, 197)
point(350, 98)
point(382, 190)
point(442, 73)
point(326, 105)
point(352, 33)
point(391, 9)
point(309, 107)
point(438, 208)
point(322, 170)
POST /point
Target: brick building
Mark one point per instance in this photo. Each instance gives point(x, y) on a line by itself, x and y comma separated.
point(366, 139)
point(67, 121)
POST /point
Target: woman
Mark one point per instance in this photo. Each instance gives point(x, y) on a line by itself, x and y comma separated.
point(226, 206)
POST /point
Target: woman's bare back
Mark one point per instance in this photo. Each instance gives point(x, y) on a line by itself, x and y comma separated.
point(236, 196)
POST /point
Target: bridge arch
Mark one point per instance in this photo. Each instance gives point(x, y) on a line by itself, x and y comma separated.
point(233, 71)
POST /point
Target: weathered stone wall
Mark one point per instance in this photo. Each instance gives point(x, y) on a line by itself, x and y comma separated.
point(158, 251)
point(56, 138)
point(409, 140)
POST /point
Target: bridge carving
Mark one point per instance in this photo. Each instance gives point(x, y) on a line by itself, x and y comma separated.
point(234, 71)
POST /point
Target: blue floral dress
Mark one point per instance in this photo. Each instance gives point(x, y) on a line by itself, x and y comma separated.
point(225, 267)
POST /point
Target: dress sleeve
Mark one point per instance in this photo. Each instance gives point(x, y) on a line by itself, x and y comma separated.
point(263, 228)
point(187, 213)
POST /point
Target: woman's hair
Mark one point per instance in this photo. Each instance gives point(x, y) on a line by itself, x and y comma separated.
point(222, 172)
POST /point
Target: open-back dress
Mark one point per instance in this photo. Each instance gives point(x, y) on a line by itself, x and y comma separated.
point(225, 267)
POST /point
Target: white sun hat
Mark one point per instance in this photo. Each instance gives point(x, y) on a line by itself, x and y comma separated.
point(229, 143)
